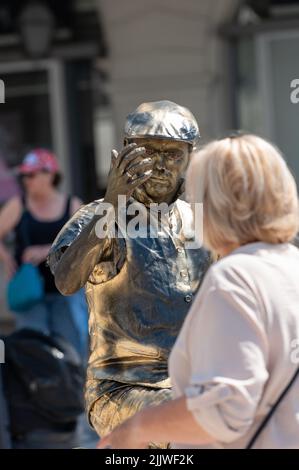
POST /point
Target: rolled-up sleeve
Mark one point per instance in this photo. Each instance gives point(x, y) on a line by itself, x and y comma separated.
point(70, 232)
point(227, 349)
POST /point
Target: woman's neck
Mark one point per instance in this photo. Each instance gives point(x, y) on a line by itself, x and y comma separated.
point(44, 196)
point(226, 250)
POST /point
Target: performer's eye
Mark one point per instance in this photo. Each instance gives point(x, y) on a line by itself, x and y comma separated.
point(174, 154)
point(150, 152)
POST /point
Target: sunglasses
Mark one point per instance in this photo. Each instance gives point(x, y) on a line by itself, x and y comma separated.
point(32, 174)
point(28, 175)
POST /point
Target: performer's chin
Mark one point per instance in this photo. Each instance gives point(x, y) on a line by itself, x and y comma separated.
point(156, 188)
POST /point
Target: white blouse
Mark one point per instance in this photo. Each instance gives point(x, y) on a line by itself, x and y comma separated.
point(239, 348)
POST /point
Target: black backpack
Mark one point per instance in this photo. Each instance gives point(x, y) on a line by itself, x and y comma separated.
point(43, 381)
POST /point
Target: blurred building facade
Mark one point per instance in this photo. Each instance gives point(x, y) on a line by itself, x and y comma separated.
point(231, 61)
point(74, 69)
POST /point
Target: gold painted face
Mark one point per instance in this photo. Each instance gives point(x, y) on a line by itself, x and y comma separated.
point(170, 161)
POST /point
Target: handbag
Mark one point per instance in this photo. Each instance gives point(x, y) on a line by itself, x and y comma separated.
point(26, 288)
point(271, 412)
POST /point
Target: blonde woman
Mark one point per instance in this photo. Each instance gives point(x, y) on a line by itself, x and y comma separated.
point(236, 352)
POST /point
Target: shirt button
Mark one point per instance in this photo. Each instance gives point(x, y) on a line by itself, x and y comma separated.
point(183, 273)
point(180, 250)
point(188, 298)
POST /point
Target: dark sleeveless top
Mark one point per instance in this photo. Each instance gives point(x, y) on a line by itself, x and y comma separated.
point(31, 231)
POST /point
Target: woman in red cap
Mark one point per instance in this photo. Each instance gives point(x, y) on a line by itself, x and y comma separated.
point(36, 218)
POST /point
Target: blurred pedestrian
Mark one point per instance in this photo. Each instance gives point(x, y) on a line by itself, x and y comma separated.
point(233, 366)
point(36, 218)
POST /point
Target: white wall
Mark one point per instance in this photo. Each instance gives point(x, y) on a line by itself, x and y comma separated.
point(169, 49)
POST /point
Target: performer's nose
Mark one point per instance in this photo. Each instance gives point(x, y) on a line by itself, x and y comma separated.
point(159, 163)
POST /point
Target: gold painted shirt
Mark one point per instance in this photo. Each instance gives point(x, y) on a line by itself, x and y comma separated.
point(138, 297)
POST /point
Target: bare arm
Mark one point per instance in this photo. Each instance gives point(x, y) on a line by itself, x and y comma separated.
point(168, 422)
point(76, 203)
point(9, 217)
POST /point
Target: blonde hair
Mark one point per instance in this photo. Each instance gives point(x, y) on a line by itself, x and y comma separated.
point(247, 191)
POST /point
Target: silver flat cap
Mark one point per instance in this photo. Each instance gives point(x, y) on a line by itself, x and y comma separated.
point(162, 120)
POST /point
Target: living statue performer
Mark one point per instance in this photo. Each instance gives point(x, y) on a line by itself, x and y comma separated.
point(139, 284)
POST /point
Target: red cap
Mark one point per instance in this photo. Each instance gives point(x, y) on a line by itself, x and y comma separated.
point(39, 159)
